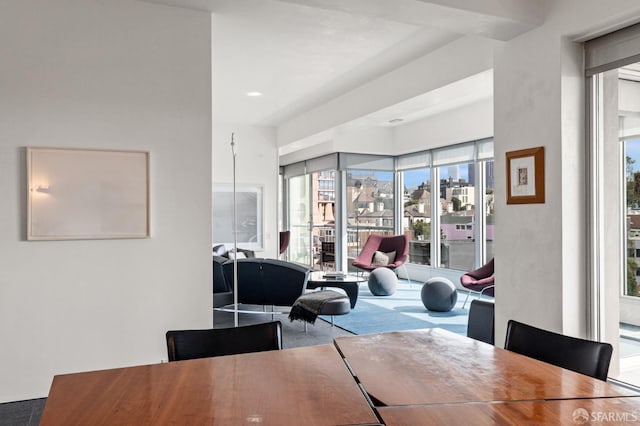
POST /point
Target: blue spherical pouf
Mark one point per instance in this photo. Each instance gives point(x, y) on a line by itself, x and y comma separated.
point(382, 282)
point(439, 294)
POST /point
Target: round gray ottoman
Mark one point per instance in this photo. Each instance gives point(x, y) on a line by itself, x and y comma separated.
point(336, 307)
point(439, 294)
point(382, 282)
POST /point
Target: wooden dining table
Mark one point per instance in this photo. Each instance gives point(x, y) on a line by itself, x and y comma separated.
point(435, 366)
point(606, 411)
point(428, 376)
point(298, 386)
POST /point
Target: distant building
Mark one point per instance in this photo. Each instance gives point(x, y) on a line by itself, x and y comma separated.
point(466, 195)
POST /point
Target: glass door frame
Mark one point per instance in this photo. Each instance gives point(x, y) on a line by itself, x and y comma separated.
point(305, 225)
point(309, 225)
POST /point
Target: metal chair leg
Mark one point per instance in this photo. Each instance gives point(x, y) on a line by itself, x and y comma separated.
point(407, 272)
point(466, 298)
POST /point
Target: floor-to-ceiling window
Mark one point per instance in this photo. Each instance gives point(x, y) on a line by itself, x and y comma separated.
point(457, 225)
point(369, 199)
point(323, 222)
point(300, 244)
point(629, 135)
point(614, 166)
point(488, 202)
point(416, 208)
point(310, 188)
point(449, 190)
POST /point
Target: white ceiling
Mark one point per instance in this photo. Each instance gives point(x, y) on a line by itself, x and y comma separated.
point(299, 57)
point(302, 53)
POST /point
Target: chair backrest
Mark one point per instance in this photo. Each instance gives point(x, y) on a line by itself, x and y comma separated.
point(386, 244)
point(481, 323)
point(370, 247)
point(285, 236)
point(484, 271)
point(328, 251)
point(220, 284)
point(192, 344)
point(397, 243)
point(283, 281)
point(250, 289)
point(267, 281)
point(580, 355)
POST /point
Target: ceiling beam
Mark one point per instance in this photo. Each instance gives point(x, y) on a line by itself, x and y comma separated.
point(458, 60)
point(495, 19)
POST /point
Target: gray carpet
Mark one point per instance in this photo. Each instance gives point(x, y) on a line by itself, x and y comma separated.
point(22, 413)
point(293, 333)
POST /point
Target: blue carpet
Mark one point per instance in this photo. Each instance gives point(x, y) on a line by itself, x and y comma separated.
point(401, 311)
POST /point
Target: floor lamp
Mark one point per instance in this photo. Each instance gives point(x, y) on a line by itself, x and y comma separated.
point(234, 152)
point(358, 186)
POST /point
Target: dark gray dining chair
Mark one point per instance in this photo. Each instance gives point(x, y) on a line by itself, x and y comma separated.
point(192, 344)
point(481, 322)
point(579, 355)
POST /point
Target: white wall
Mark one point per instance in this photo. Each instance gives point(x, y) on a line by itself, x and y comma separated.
point(348, 138)
point(431, 132)
point(120, 75)
point(256, 163)
point(539, 101)
point(464, 124)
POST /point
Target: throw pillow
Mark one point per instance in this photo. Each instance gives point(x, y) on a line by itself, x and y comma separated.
point(383, 259)
point(392, 256)
point(232, 255)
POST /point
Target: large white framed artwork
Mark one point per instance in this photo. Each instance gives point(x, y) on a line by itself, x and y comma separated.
point(249, 206)
point(76, 194)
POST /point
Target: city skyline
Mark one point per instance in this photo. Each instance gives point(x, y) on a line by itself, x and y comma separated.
point(413, 178)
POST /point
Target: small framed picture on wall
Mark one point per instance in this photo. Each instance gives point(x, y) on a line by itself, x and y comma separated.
point(525, 176)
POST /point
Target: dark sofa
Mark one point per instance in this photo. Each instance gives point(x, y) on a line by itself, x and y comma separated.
point(265, 281)
point(222, 291)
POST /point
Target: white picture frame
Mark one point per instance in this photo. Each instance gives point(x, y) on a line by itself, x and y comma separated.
point(80, 194)
point(249, 202)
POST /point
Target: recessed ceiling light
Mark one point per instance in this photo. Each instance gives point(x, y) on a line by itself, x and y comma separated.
point(396, 120)
point(254, 94)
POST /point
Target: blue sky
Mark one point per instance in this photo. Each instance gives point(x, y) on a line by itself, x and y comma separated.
point(413, 178)
point(633, 150)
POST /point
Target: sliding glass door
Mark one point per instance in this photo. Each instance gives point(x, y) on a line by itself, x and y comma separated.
point(311, 188)
point(300, 245)
point(614, 100)
point(323, 222)
point(416, 221)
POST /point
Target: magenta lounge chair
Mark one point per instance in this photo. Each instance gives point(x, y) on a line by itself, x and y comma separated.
point(285, 236)
point(384, 244)
point(480, 281)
